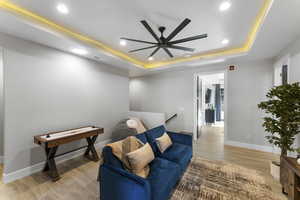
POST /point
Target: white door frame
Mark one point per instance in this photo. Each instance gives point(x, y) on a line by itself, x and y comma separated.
point(225, 72)
point(2, 103)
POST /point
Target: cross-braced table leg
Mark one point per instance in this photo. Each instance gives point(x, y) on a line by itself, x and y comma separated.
point(91, 148)
point(46, 167)
point(50, 165)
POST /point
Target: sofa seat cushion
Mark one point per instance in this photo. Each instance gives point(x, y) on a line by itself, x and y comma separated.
point(179, 153)
point(163, 176)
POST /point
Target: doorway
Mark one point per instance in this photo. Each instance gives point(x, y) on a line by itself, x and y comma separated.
point(210, 106)
point(1, 116)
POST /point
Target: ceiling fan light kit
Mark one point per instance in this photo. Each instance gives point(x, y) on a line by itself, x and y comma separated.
point(165, 43)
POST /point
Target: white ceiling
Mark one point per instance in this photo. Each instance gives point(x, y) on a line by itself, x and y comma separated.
point(280, 29)
point(108, 20)
point(10, 24)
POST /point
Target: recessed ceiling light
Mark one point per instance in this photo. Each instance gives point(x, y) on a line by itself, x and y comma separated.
point(225, 41)
point(79, 51)
point(123, 42)
point(62, 8)
point(150, 58)
point(225, 6)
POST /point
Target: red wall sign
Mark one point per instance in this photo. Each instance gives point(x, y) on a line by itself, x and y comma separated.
point(232, 67)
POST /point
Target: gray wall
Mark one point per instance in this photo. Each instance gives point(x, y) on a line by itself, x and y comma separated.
point(172, 92)
point(294, 69)
point(1, 106)
point(166, 93)
point(48, 90)
point(247, 86)
point(294, 51)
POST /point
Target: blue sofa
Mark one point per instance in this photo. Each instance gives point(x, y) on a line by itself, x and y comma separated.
point(165, 170)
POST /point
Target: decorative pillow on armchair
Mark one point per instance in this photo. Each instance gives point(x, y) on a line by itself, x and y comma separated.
point(163, 142)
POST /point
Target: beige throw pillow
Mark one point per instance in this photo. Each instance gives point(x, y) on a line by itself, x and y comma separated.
point(122, 147)
point(139, 160)
point(163, 142)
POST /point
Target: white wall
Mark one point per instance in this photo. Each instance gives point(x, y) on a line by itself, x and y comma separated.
point(49, 90)
point(172, 92)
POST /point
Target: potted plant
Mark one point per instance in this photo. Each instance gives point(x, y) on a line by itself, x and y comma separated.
point(283, 116)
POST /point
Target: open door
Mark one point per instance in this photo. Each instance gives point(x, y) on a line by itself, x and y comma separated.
point(1, 115)
point(197, 106)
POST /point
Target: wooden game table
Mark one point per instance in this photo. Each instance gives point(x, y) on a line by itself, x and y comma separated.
point(51, 141)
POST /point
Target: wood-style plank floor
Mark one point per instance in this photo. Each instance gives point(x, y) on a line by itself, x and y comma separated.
point(79, 175)
point(211, 146)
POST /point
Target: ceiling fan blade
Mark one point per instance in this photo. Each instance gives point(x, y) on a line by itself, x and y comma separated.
point(141, 41)
point(168, 52)
point(147, 26)
point(181, 48)
point(155, 51)
point(178, 29)
point(143, 49)
point(197, 37)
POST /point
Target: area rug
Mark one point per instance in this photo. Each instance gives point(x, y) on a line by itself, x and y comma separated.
point(219, 180)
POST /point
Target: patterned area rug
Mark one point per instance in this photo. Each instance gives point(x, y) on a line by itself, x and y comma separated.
point(218, 180)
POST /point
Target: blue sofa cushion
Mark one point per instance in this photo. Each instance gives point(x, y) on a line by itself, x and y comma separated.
point(142, 137)
point(179, 153)
point(163, 176)
point(181, 138)
point(152, 134)
point(118, 184)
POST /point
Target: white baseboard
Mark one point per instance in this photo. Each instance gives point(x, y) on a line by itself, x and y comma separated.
point(10, 177)
point(1, 159)
point(253, 146)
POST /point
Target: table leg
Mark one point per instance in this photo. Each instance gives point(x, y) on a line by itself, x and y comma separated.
point(46, 167)
point(91, 148)
point(50, 165)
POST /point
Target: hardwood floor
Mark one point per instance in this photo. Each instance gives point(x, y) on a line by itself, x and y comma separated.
point(79, 175)
point(211, 146)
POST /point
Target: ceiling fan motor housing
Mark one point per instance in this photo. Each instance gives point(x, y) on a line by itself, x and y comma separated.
point(162, 30)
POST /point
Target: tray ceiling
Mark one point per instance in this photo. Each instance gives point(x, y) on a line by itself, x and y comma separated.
point(101, 24)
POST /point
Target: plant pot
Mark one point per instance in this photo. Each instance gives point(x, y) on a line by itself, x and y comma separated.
point(275, 170)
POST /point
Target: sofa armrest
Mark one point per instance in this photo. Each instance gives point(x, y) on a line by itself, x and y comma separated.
point(118, 184)
point(181, 138)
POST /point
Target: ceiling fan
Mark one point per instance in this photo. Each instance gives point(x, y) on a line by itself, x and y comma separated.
point(166, 43)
